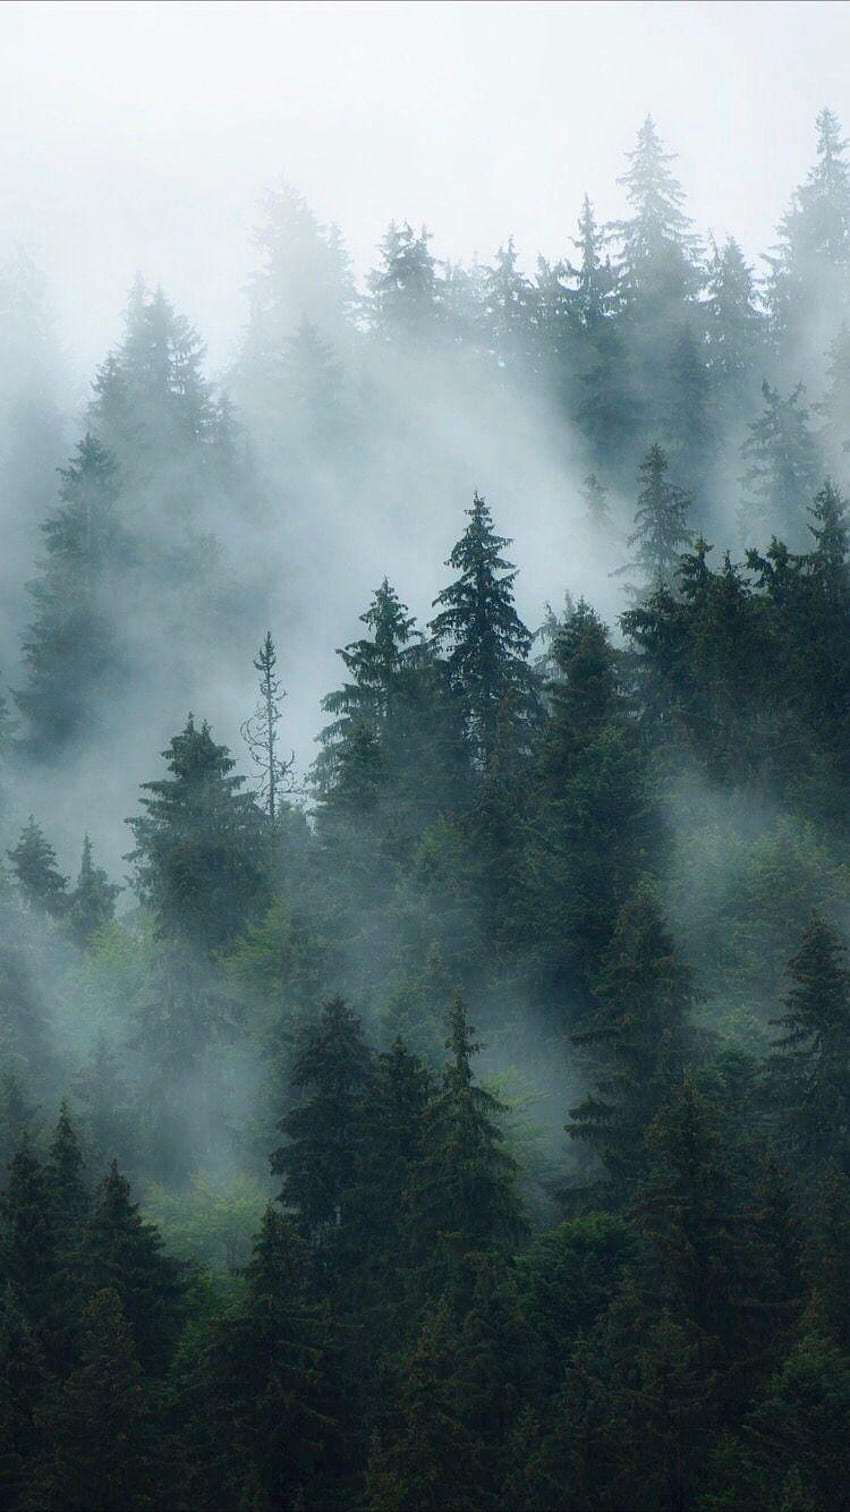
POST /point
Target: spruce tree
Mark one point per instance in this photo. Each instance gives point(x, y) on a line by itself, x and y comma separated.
point(260, 732)
point(402, 306)
point(463, 1199)
point(323, 1134)
point(34, 865)
point(199, 845)
point(661, 529)
point(485, 642)
point(782, 467)
point(811, 1066)
point(91, 905)
point(71, 649)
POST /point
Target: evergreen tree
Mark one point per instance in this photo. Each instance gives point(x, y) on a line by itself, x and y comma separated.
point(661, 524)
point(199, 845)
point(638, 1032)
point(71, 648)
point(463, 1198)
point(594, 295)
point(486, 642)
point(834, 407)
point(319, 1160)
point(807, 285)
point(64, 1169)
point(781, 475)
point(509, 312)
point(123, 1254)
point(96, 1447)
point(91, 905)
point(656, 271)
point(734, 327)
point(813, 1062)
point(34, 864)
point(260, 732)
point(402, 305)
point(597, 508)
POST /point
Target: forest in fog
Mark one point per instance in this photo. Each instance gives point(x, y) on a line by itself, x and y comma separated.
point(425, 1063)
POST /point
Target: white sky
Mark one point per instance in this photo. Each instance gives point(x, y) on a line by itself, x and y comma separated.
point(141, 135)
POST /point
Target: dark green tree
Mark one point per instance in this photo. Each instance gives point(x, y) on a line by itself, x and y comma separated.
point(639, 1035)
point(463, 1198)
point(122, 1253)
point(812, 1062)
point(324, 1133)
point(782, 467)
point(34, 865)
point(91, 905)
point(199, 853)
point(484, 640)
point(71, 649)
point(661, 529)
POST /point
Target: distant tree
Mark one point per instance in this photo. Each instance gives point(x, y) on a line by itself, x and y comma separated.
point(402, 303)
point(199, 854)
point(655, 244)
point(661, 529)
point(96, 1434)
point(463, 1198)
point(812, 1062)
point(34, 865)
point(484, 640)
point(834, 407)
point(509, 311)
point(807, 285)
point(123, 1253)
point(324, 1132)
point(597, 508)
point(735, 330)
point(91, 905)
point(594, 296)
point(71, 649)
point(260, 732)
point(782, 466)
point(638, 1035)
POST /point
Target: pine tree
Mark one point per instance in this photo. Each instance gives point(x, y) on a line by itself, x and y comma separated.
point(834, 407)
point(485, 641)
point(638, 1033)
point(402, 305)
point(509, 313)
point(463, 1199)
point(34, 864)
point(199, 845)
point(811, 1068)
point(661, 524)
point(122, 1253)
point(71, 649)
point(735, 328)
point(91, 905)
point(655, 243)
point(594, 295)
point(259, 1428)
point(96, 1443)
point(355, 761)
point(807, 285)
point(319, 1160)
point(260, 732)
point(597, 508)
point(64, 1170)
point(782, 471)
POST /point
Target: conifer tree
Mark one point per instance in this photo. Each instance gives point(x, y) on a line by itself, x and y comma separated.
point(735, 332)
point(485, 642)
point(64, 1170)
point(199, 853)
point(319, 1160)
point(402, 305)
point(463, 1198)
point(812, 1063)
point(781, 476)
point(260, 732)
point(124, 1254)
point(34, 865)
point(71, 649)
point(661, 524)
point(96, 1442)
point(638, 1033)
point(91, 905)
point(509, 312)
point(655, 243)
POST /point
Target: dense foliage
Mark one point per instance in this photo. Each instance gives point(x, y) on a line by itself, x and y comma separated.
point(276, 1231)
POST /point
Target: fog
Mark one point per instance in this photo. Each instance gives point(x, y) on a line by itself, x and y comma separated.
point(235, 168)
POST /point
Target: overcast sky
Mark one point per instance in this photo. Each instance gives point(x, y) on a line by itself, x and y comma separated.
point(141, 135)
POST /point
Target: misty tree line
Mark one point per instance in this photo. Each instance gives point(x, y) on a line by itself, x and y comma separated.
point(367, 1270)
